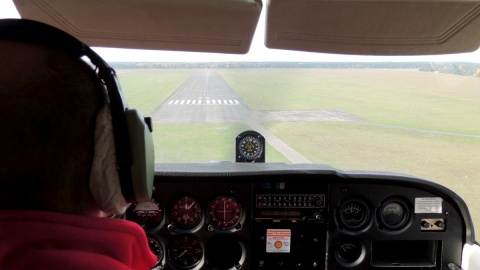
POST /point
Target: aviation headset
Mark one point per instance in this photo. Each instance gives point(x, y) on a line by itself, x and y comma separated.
point(131, 131)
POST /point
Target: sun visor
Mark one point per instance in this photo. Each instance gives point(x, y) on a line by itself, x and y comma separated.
point(378, 27)
point(183, 25)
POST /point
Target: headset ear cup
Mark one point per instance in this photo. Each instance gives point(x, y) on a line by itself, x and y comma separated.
point(104, 180)
point(143, 163)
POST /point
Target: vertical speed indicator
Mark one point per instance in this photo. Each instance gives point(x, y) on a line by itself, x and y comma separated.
point(185, 251)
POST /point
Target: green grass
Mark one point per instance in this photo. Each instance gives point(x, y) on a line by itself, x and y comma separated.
point(395, 97)
point(348, 145)
point(147, 89)
point(201, 143)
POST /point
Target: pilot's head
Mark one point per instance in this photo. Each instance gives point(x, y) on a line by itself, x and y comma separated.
point(57, 145)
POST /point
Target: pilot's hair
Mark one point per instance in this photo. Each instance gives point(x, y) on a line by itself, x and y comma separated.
point(47, 121)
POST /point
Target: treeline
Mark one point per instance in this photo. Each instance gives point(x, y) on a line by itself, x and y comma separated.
point(457, 68)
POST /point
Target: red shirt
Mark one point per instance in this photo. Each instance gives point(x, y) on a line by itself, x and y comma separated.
point(48, 240)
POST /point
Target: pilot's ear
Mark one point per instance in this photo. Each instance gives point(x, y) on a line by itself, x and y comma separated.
point(104, 180)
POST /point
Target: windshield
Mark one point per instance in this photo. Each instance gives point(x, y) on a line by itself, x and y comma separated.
point(413, 115)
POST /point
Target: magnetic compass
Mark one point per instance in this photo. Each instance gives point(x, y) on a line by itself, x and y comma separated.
point(250, 147)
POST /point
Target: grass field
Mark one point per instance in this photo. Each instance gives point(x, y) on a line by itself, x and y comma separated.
point(147, 89)
point(410, 98)
point(212, 142)
point(404, 98)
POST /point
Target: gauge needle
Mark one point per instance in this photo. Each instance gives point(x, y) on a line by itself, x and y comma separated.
point(189, 206)
point(224, 210)
point(183, 253)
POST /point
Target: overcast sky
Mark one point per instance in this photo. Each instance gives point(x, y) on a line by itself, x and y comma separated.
point(258, 52)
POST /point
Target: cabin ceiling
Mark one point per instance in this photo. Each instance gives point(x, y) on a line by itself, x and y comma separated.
point(375, 27)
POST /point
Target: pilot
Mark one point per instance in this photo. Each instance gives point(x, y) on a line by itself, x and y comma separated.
point(58, 178)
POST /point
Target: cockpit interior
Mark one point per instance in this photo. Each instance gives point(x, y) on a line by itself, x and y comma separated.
point(252, 211)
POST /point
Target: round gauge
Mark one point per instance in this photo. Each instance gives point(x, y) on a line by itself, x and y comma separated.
point(185, 251)
point(149, 214)
point(156, 247)
point(250, 147)
point(349, 252)
point(394, 214)
point(186, 212)
point(224, 212)
point(354, 214)
point(224, 251)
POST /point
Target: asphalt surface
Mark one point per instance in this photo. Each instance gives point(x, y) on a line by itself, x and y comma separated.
point(204, 98)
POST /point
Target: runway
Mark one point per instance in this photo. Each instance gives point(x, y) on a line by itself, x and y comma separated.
point(206, 98)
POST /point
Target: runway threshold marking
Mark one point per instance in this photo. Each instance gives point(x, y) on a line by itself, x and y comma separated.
point(199, 102)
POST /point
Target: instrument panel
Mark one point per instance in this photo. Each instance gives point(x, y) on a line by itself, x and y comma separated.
point(243, 216)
